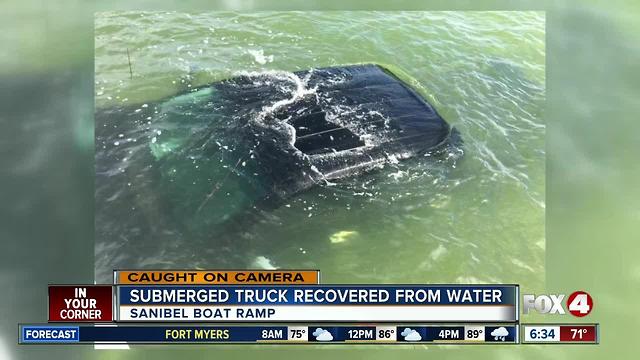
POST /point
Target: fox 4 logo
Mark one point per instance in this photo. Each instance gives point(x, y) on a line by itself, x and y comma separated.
point(579, 304)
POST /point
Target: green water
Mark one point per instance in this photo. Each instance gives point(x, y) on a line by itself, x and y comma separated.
point(477, 219)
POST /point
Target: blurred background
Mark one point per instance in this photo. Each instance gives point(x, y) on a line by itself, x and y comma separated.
point(47, 167)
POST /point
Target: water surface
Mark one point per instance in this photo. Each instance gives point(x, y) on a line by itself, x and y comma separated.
point(475, 218)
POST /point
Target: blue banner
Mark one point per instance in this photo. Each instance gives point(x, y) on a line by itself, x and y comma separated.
point(318, 295)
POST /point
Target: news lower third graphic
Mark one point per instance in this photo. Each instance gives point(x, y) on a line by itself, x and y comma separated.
point(293, 307)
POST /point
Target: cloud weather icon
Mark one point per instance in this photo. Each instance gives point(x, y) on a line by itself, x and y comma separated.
point(322, 335)
point(410, 335)
point(500, 333)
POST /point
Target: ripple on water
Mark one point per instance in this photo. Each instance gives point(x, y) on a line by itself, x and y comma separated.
point(483, 71)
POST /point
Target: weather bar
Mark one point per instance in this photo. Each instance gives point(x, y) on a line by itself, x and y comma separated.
point(252, 334)
point(560, 333)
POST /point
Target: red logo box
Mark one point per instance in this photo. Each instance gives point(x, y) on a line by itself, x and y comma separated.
point(80, 303)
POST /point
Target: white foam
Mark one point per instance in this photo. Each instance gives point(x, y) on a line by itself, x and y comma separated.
point(259, 57)
point(298, 93)
point(262, 262)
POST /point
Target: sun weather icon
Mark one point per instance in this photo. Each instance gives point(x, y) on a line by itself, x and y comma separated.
point(500, 333)
point(322, 335)
point(411, 335)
